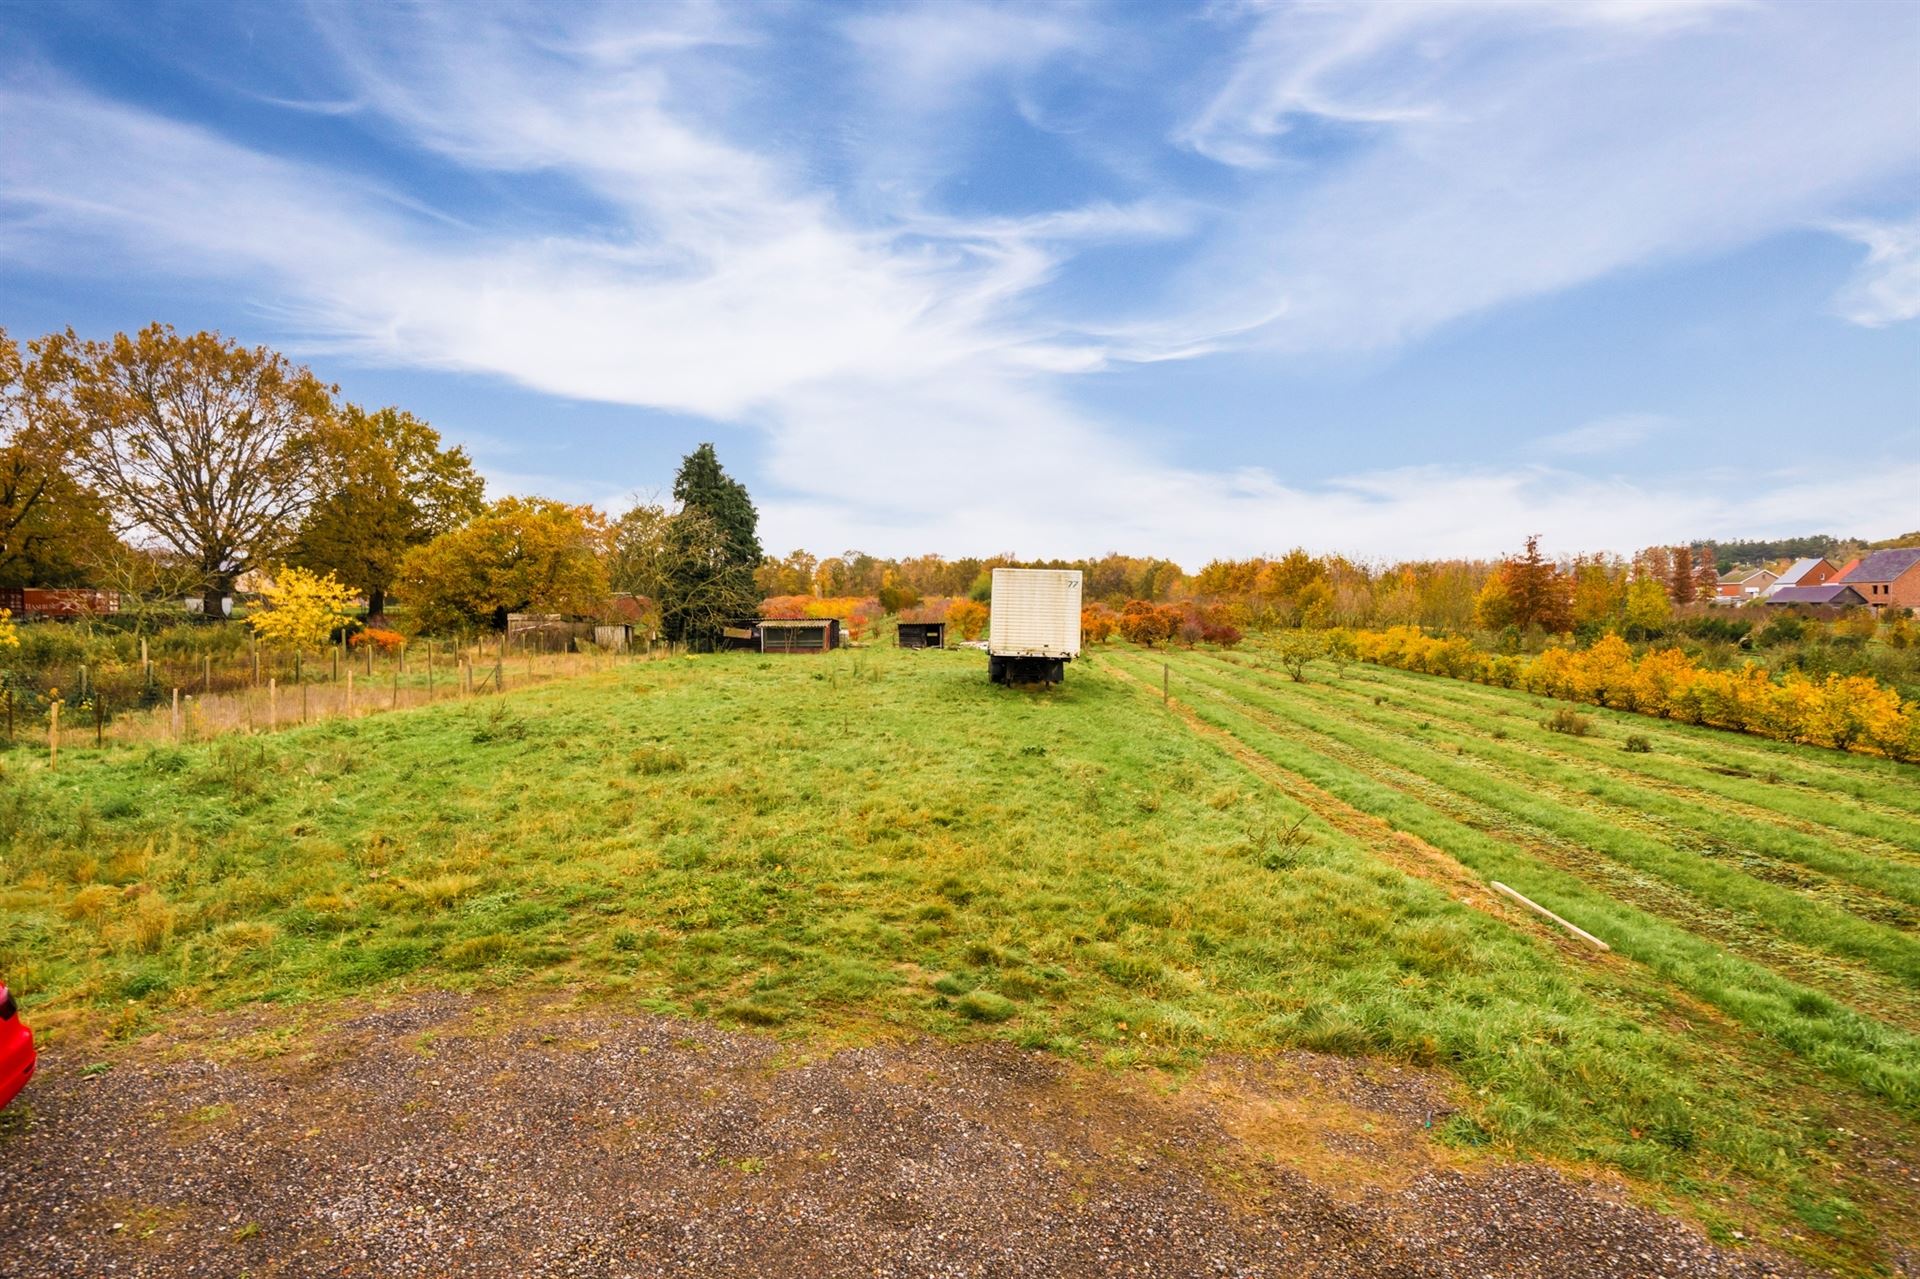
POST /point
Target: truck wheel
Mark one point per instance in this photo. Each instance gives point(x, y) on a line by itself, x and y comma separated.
point(996, 670)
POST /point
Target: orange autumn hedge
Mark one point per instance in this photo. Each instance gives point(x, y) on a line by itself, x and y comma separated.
point(1847, 712)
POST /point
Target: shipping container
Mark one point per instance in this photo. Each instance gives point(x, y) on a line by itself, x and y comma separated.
point(1035, 626)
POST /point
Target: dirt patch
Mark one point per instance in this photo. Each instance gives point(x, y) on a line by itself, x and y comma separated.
point(448, 1136)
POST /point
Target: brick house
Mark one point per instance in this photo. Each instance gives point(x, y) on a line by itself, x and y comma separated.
point(1811, 572)
point(1746, 585)
point(1887, 579)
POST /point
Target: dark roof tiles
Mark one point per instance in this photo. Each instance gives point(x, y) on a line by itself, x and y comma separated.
point(1884, 566)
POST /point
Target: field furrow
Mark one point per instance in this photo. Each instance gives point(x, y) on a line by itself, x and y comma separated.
point(1743, 932)
point(1881, 881)
point(1772, 907)
point(1877, 1057)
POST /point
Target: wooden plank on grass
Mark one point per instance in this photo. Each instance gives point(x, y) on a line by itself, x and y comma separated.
point(1538, 909)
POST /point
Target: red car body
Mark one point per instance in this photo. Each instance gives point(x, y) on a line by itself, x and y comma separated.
point(16, 1049)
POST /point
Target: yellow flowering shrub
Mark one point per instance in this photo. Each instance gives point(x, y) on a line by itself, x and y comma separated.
point(302, 608)
point(1845, 712)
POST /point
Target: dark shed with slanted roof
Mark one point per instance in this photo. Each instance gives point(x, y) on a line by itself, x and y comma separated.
point(923, 635)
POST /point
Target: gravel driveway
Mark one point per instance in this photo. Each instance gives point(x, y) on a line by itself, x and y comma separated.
point(449, 1136)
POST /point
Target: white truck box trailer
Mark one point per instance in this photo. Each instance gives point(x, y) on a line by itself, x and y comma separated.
point(1035, 628)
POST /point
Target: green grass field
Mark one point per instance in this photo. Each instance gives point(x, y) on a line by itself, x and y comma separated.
point(879, 842)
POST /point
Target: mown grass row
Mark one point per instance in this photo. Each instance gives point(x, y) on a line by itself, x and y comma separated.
point(1799, 917)
point(1742, 931)
point(1744, 934)
point(1860, 1051)
point(1519, 747)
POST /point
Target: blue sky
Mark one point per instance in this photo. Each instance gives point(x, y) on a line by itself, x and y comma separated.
point(1214, 279)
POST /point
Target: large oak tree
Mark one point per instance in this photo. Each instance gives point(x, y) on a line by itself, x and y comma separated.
point(208, 448)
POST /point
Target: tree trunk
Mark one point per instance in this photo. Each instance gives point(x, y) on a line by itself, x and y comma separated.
point(376, 603)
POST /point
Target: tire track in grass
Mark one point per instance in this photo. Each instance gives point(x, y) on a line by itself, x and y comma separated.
point(1786, 912)
point(1405, 851)
point(1885, 883)
point(1853, 984)
point(1860, 787)
point(1879, 1059)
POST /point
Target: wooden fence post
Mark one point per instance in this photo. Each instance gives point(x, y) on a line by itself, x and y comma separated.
point(500, 667)
point(303, 703)
point(273, 703)
point(176, 715)
point(253, 650)
point(396, 689)
point(349, 692)
point(9, 717)
point(206, 673)
point(53, 737)
point(429, 670)
point(99, 721)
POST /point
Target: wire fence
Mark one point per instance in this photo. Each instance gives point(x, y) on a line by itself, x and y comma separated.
point(260, 690)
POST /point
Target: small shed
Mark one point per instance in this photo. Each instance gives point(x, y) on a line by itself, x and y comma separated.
point(616, 637)
point(798, 634)
point(923, 635)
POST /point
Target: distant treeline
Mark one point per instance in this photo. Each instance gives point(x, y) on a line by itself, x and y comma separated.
point(1838, 549)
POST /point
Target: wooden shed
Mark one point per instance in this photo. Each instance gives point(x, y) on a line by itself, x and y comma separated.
point(923, 635)
point(798, 634)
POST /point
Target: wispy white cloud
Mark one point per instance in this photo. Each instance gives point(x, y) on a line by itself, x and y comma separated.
point(1485, 153)
point(913, 389)
point(1886, 287)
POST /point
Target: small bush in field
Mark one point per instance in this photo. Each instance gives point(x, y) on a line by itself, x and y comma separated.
point(1569, 721)
point(385, 641)
point(1638, 744)
point(499, 726)
point(652, 760)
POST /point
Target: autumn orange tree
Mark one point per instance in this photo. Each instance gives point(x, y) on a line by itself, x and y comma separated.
point(209, 448)
point(1682, 587)
point(1097, 623)
point(519, 555)
point(968, 618)
point(1526, 591)
point(51, 525)
point(1145, 623)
